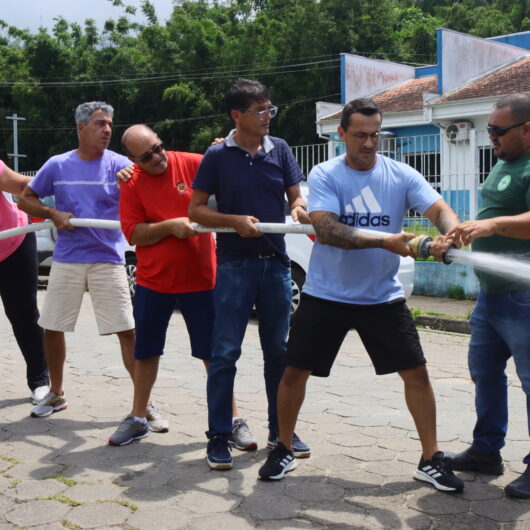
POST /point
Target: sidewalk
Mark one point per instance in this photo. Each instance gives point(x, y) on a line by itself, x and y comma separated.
point(443, 314)
point(59, 472)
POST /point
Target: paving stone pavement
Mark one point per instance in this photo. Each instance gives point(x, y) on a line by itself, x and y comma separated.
point(59, 472)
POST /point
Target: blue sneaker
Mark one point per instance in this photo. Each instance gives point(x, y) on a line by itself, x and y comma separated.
point(218, 453)
point(300, 449)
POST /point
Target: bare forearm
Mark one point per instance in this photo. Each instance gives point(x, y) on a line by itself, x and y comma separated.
point(442, 216)
point(145, 234)
point(331, 232)
point(33, 206)
point(446, 221)
point(205, 216)
point(516, 226)
point(13, 182)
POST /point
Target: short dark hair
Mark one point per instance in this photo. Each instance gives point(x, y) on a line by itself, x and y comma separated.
point(519, 105)
point(364, 106)
point(243, 93)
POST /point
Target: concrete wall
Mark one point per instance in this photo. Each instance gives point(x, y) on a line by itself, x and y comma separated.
point(435, 278)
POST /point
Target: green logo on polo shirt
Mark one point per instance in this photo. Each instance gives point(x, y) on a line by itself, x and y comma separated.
point(504, 182)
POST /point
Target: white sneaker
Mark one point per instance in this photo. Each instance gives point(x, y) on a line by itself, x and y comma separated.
point(39, 393)
point(155, 422)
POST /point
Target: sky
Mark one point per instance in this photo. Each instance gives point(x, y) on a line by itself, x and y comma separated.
point(31, 14)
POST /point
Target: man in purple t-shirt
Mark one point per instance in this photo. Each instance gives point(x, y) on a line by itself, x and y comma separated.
point(84, 184)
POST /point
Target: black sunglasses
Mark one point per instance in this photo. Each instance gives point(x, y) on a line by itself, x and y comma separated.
point(149, 155)
point(495, 130)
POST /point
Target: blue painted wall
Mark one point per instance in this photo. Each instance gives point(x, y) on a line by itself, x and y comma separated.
point(427, 71)
point(459, 202)
point(343, 79)
point(434, 278)
point(429, 141)
point(522, 40)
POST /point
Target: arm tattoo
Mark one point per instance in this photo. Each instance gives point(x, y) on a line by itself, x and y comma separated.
point(330, 231)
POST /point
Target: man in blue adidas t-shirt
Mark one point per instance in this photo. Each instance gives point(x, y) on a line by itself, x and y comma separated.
point(352, 283)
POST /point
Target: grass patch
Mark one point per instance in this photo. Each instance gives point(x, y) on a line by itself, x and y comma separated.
point(70, 525)
point(129, 505)
point(456, 292)
point(421, 229)
point(60, 498)
point(14, 483)
point(9, 459)
point(67, 481)
point(415, 312)
point(445, 315)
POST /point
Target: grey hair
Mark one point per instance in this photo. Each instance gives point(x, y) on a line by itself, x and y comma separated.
point(84, 112)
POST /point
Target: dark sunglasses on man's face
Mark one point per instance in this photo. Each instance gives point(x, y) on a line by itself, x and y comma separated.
point(158, 148)
point(495, 130)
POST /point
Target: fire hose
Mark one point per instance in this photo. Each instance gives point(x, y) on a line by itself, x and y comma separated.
point(420, 245)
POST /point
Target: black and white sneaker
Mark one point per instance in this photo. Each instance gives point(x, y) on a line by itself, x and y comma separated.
point(439, 474)
point(279, 462)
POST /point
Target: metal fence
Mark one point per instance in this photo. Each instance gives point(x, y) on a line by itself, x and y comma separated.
point(309, 156)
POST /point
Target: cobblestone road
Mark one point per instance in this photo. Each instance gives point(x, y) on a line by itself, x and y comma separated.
point(59, 472)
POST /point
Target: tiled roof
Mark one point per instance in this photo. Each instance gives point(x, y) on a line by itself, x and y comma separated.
point(409, 95)
point(406, 96)
point(512, 78)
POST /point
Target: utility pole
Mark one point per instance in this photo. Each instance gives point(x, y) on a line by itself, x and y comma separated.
point(15, 154)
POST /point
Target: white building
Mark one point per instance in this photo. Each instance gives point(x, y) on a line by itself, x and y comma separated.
point(434, 117)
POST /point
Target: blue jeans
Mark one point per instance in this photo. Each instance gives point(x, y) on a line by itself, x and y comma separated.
point(500, 329)
point(241, 284)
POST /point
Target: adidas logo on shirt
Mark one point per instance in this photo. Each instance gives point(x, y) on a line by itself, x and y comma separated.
point(364, 210)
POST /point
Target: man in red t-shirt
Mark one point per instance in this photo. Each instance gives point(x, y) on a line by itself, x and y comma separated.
point(175, 264)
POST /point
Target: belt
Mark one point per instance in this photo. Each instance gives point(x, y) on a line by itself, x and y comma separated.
point(265, 255)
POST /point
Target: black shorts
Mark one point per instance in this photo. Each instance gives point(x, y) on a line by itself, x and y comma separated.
point(386, 330)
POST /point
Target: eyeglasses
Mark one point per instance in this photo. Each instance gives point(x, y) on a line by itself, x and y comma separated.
point(495, 130)
point(146, 157)
point(362, 137)
point(271, 111)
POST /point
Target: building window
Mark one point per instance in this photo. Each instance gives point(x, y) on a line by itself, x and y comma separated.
point(486, 160)
point(428, 164)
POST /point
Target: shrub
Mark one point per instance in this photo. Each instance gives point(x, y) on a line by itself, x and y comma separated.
point(457, 292)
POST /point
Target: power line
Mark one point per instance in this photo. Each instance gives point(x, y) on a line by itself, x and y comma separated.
point(220, 74)
point(213, 69)
point(172, 120)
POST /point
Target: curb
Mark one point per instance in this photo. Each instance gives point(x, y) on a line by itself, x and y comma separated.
point(444, 324)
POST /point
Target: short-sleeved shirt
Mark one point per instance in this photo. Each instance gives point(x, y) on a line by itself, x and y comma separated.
point(172, 265)
point(88, 190)
point(246, 185)
point(506, 191)
point(10, 217)
point(377, 199)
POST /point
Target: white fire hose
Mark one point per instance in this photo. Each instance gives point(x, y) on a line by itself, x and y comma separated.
point(265, 228)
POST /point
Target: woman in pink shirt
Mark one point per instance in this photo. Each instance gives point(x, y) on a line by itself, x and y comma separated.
point(18, 283)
